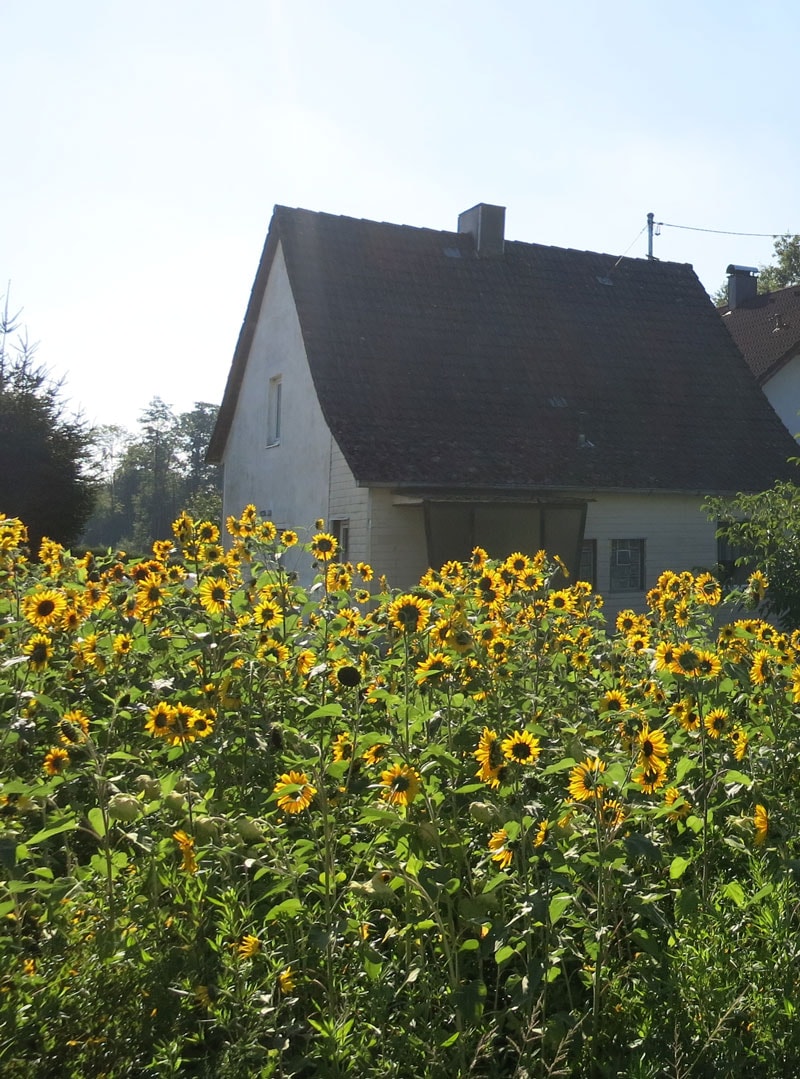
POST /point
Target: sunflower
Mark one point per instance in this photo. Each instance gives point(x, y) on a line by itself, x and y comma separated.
point(612, 813)
point(248, 946)
point(410, 614)
point(687, 660)
point(160, 720)
point(613, 701)
point(343, 746)
point(186, 844)
point(73, 727)
point(687, 714)
point(214, 595)
point(665, 655)
point(489, 755)
point(650, 779)
point(44, 608)
point(375, 753)
point(323, 546)
point(707, 590)
point(270, 649)
point(201, 724)
point(717, 722)
point(757, 585)
point(478, 558)
point(122, 645)
point(627, 622)
point(761, 824)
point(294, 791)
point(542, 834)
point(365, 570)
point(39, 648)
point(653, 750)
point(740, 741)
point(56, 761)
point(521, 747)
point(288, 537)
point(150, 595)
point(402, 784)
point(584, 781)
point(498, 845)
point(678, 805)
point(760, 669)
point(287, 981)
point(305, 661)
point(709, 664)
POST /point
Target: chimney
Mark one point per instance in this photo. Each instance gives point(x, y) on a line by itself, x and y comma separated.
point(742, 284)
point(486, 224)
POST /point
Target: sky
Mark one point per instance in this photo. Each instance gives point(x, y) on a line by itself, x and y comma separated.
point(145, 145)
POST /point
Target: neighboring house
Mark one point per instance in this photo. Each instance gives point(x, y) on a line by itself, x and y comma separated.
point(766, 328)
point(427, 391)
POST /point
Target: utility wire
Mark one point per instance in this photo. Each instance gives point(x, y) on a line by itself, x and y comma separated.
point(630, 245)
point(719, 232)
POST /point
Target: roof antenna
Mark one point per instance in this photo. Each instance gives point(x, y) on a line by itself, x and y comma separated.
point(650, 219)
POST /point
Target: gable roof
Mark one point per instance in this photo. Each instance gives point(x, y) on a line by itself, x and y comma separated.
point(540, 369)
point(766, 329)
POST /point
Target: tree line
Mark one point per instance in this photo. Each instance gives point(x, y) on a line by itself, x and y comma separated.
point(102, 486)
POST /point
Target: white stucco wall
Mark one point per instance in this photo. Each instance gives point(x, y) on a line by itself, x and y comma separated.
point(677, 535)
point(783, 393)
point(289, 481)
point(397, 539)
point(676, 531)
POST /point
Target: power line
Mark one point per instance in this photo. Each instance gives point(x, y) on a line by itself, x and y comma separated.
point(721, 232)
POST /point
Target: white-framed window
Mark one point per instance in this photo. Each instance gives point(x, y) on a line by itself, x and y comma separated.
point(587, 571)
point(627, 565)
point(274, 410)
point(340, 530)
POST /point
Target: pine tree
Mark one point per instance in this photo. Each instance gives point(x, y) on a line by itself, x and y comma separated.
point(43, 450)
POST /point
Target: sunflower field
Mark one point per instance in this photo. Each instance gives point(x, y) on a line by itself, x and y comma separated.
point(253, 829)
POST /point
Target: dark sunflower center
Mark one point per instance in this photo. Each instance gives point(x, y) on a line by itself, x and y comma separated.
point(400, 784)
point(521, 751)
point(45, 608)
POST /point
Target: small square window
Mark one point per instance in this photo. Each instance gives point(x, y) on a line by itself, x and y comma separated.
point(627, 565)
point(274, 411)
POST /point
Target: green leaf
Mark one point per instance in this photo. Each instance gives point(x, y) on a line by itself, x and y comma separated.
point(734, 891)
point(470, 945)
point(558, 904)
point(47, 833)
point(289, 908)
point(678, 867)
point(97, 822)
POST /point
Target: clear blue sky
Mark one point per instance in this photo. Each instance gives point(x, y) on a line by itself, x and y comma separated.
point(144, 146)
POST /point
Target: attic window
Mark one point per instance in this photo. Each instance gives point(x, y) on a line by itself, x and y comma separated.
point(557, 402)
point(452, 253)
point(274, 401)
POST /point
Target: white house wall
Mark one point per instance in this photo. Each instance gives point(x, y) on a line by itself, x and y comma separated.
point(783, 393)
point(677, 533)
point(288, 481)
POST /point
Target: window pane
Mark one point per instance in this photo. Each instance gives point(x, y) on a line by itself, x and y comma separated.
point(627, 565)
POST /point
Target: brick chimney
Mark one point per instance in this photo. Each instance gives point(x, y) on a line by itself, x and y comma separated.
point(742, 284)
point(487, 225)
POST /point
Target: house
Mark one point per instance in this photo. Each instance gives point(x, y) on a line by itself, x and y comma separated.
point(766, 328)
point(425, 391)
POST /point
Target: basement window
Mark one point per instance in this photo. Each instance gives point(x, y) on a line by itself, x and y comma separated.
point(627, 565)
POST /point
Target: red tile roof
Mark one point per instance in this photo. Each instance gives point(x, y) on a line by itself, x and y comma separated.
point(541, 369)
point(766, 329)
